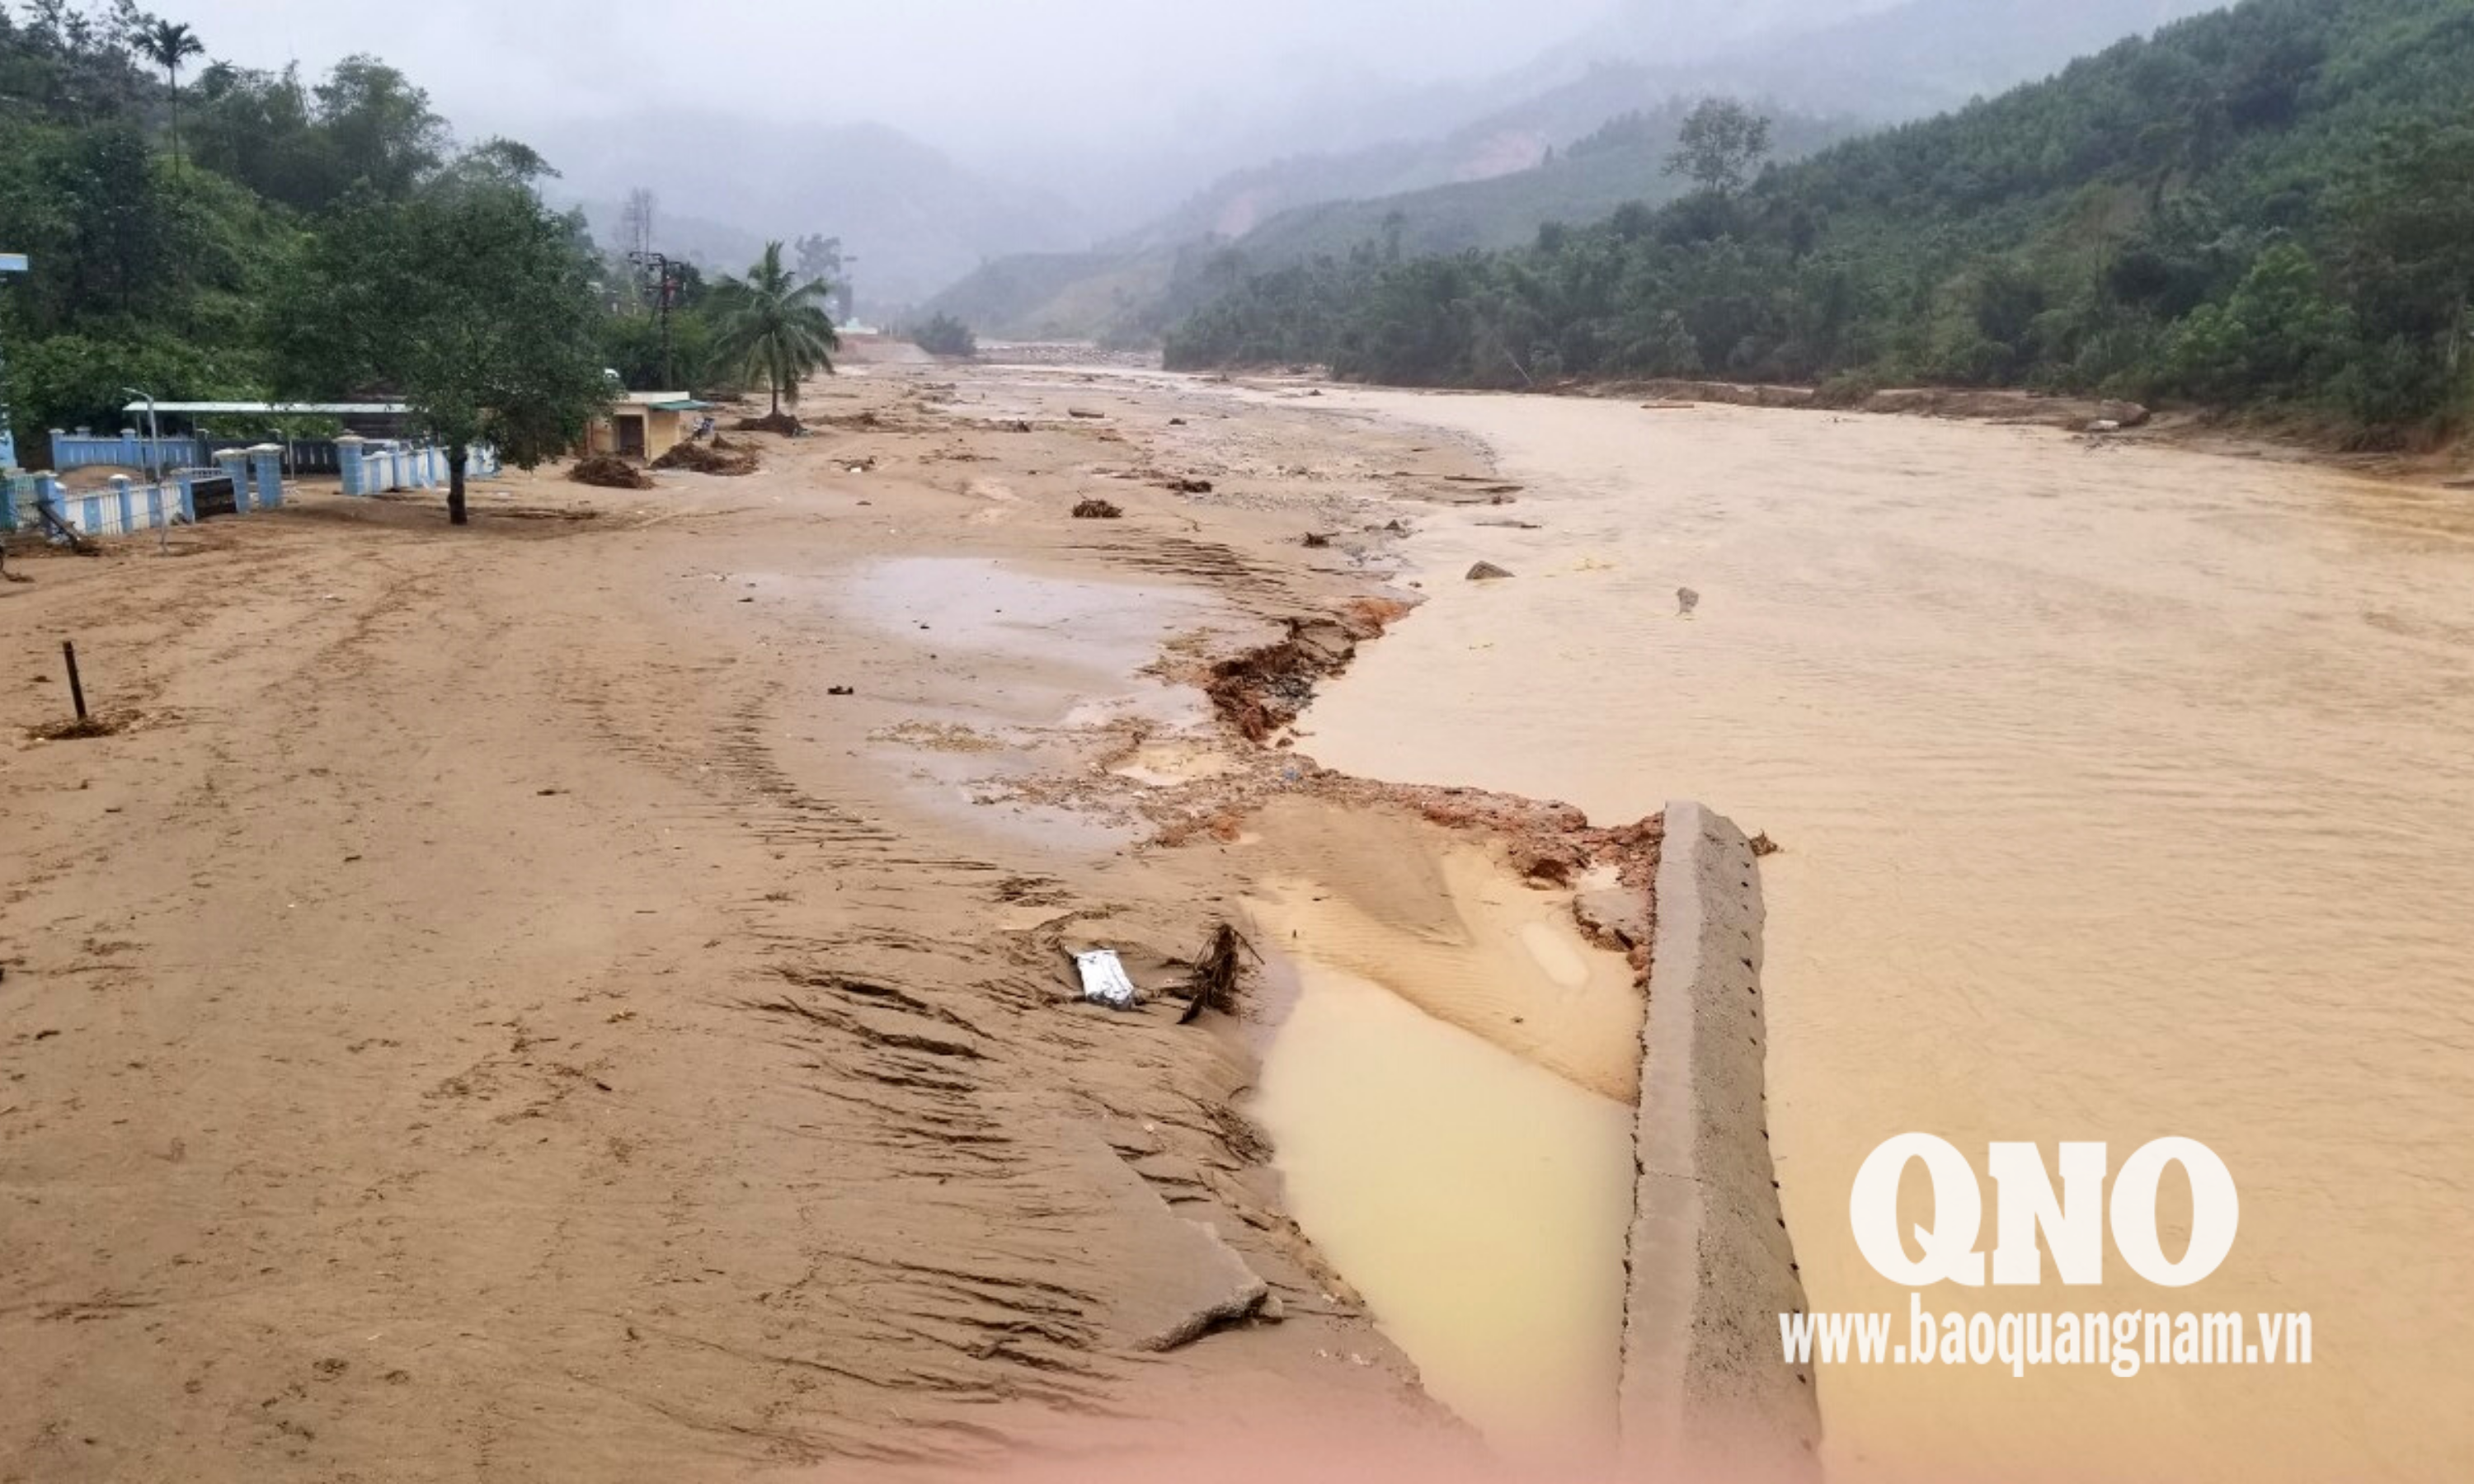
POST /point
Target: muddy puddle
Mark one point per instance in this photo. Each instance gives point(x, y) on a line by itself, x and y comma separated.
point(1450, 1102)
point(2124, 793)
point(1022, 674)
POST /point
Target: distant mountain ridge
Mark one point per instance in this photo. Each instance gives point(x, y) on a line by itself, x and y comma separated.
point(1492, 181)
point(910, 217)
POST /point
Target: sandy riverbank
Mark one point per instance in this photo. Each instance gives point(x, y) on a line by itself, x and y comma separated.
point(585, 998)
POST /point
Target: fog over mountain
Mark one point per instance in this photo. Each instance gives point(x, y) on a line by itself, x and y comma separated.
point(935, 138)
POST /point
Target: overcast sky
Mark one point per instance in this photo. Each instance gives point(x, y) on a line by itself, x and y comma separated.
point(958, 73)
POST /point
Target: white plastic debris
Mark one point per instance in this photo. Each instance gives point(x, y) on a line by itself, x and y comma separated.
point(1103, 979)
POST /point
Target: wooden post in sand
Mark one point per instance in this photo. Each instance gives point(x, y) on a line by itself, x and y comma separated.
point(76, 689)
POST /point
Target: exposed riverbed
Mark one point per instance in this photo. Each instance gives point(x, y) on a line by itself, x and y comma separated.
point(2124, 793)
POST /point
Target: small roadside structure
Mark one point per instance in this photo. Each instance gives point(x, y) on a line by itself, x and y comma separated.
point(640, 425)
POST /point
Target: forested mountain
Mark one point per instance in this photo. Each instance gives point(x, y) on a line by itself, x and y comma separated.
point(2268, 205)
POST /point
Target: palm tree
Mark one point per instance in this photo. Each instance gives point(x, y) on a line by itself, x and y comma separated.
point(774, 325)
point(169, 43)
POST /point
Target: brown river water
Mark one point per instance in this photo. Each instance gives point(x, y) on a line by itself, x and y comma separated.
point(2125, 792)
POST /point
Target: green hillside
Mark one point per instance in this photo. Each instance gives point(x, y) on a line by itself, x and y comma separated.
point(1625, 160)
point(2272, 205)
point(176, 219)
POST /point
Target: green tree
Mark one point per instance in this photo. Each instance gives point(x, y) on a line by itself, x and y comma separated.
point(379, 127)
point(2408, 241)
point(168, 45)
point(942, 334)
point(470, 302)
point(773, 325)
point(1719, 145)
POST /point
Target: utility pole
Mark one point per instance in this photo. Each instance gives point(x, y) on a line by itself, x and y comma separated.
point(10, 263)
point(668, 290)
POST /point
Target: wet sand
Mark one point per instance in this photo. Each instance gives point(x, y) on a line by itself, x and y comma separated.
point(588, 997)
point(2123, 793)
point(584, 996)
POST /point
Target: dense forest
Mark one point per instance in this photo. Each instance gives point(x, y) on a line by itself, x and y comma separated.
point(203, 230)
point(2269, 206)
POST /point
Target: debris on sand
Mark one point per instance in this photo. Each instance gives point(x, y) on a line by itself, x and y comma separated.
point(781, 422)
point(1264, 689)
point(713, 459)
point(1316, 538)
point(1213, 984)
point(1103, 979)
point(1097, 509)
point(1762, 845)
point(1084, 412)
point(610, 472)
point(96, 726)
point(1186, 486)
point(1486, 572)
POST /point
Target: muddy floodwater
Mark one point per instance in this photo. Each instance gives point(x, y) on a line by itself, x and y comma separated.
point(2123, 793)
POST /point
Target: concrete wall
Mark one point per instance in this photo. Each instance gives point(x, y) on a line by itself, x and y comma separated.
point(128, 507)
point(376, 466)
point(124, 449)
point(1710, 1267)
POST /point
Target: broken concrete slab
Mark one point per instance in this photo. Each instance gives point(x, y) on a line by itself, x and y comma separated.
point(1175, 1281)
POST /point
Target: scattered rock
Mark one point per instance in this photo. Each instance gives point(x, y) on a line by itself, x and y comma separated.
point(1316, 538)
point(1083, 412)
point(1097, 509)
point(1176, 422)
point(1764, 845)
point(1486, 572)
point(1187, 486)
point(1614, 915)
point(839, 690)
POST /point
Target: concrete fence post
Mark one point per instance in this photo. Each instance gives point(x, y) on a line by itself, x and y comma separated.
point(267, 459)
point(122, 506)
point(235, 467)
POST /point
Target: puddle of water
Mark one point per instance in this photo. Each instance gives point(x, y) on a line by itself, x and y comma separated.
point(1449, 1103)
point(1477, 1201)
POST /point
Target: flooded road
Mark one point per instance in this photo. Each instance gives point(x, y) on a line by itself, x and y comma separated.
point(2124, 793)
